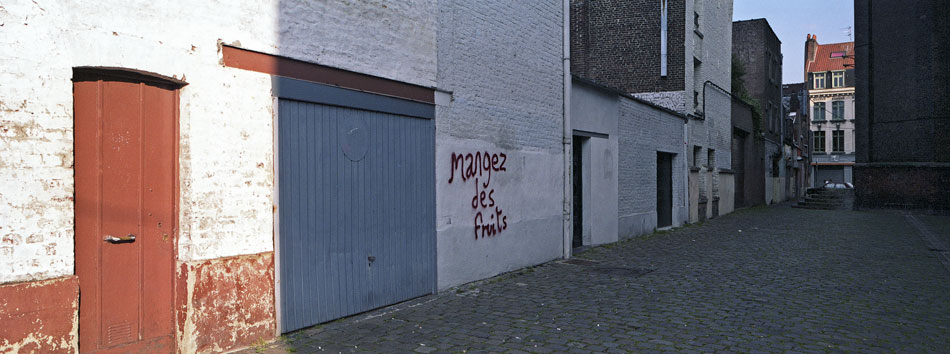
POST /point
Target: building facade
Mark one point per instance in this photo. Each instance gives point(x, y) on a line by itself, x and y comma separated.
point(903, 105)
point(675, 54)
point(795, 105)
point(629, 165)
point(756, 47)
point(748, 155)
point(829, 71)
point(202, 178)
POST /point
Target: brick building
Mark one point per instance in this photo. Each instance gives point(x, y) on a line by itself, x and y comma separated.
point(902, 108)
point(748, 156)
point(798, 123)
point(192, 177)
point(756, 47)
point(675, 54)
point(829, 76)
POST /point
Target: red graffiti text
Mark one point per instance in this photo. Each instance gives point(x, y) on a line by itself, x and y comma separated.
point(489, 217)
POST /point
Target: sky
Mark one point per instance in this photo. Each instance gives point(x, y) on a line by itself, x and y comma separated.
point(793, 20)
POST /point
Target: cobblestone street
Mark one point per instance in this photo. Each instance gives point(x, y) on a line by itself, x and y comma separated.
point(758, 280)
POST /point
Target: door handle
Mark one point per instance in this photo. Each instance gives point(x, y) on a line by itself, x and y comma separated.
point(113, 239)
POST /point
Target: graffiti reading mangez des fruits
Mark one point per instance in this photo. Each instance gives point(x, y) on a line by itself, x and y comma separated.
point(489, 218)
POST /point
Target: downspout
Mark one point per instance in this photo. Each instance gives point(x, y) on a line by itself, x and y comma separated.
point(566, 138)
point(781, 146)
point(686, 152)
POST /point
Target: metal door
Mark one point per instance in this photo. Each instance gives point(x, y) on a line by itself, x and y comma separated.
point(835, 174)
point(125, 141)
point(356, 210)
point(664, 189)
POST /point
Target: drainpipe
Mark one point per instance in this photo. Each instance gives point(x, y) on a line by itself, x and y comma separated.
point(781, 146)
point(686, 151)
point(566, 139)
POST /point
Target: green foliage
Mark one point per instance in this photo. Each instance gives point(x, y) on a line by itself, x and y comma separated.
point(740, 91)
point(260, 346)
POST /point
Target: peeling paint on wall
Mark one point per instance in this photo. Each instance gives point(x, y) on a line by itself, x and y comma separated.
point(224, 304)
point(40, 316)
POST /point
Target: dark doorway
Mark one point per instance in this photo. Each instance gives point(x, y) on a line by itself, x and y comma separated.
point(578, 179)
point(664, 189)
point(738, 165)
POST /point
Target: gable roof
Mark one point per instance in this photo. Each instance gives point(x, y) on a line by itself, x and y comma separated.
point(824, 62)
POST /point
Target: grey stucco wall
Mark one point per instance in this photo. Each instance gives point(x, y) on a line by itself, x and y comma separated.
point(644, 130)
point(506, 98)
point(595, 110)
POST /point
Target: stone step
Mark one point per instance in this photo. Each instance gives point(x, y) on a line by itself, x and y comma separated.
point(818, 207)
point(811, 202)
point(825, 197)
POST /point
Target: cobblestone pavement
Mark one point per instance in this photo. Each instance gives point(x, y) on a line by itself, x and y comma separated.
point(759, 280)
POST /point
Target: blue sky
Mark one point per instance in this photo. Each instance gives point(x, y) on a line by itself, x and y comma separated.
point(793, 20)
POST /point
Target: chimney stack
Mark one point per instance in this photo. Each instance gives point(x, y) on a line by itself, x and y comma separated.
point(811, 46)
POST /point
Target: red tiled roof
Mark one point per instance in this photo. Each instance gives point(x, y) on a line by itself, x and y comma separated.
point(824, 62)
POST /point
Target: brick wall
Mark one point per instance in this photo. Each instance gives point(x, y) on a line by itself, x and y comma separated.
point(617, 43)
point(755, 46)
point(901, 120)
point(506, 98)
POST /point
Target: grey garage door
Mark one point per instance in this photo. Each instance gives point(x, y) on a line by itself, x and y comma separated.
point(357, 217)
point(833, 173)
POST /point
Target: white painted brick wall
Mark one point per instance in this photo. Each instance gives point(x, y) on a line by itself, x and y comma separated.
point(499, 59)
point(715, 52)
point(226, 114)
point(502, 62)
point(675, 100)
point(644, 130)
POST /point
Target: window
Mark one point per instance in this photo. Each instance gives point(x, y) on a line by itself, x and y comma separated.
point(819, 80)
point(820, 141)
point(837, 141)
point(663, 33)
point(710, 159)
point(837, 110)
point(837, 79)
point(819, 114)
point(697, 153)
point(837, 55)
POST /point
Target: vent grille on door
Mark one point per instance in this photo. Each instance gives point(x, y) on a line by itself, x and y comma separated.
point(119, 333)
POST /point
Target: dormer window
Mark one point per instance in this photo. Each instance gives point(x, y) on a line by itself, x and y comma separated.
point(838, 55)
point(819, 80)
point(837, 79)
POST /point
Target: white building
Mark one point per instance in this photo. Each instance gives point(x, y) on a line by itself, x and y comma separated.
point(829, 71)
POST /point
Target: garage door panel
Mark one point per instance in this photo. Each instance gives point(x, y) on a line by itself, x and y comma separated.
point(834, 174)
point(357, 215)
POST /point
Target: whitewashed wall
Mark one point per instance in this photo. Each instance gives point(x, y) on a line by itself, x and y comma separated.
point(226, 114)
point(501, 60)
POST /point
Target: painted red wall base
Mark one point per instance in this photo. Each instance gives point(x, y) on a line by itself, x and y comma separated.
point(225, 303)
point(40, 316)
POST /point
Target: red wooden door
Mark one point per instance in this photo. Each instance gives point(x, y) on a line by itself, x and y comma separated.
point(125, 174)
